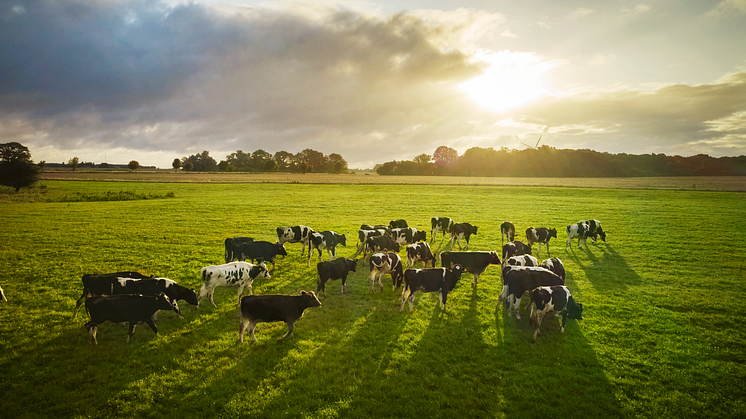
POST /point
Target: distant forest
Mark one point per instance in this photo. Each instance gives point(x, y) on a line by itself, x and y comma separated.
point(547, 161)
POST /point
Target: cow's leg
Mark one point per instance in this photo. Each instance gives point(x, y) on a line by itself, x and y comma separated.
point(252, 326)
point(79, 303)
point(404, 296)
point(411, 301)
point(240, 291)
point(212, 292)
point(539, 249)
point(92, 329)
point(151, 323)
point(303, 247)
point(517, 307)
point(568, 243)
point(289, 332)
point(476, 278)
point(131, 331)
point(241, 327)
point(344, 283)
point(308, 259)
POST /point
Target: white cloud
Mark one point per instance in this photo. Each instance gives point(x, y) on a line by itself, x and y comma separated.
point(728, 7)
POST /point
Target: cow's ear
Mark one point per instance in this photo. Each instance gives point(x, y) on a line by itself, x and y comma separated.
point(303, 293)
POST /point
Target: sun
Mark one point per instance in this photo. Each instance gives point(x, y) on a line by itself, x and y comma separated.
point(511, 80)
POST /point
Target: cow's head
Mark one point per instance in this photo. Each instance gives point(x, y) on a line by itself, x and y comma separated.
point(281, 250)
point(603, 235)
point(342, 239)
point(190, 296)
point(495, 258)
point(452, 277)
point(351, 264)
point(396, 248)
point(474, 230)
point(311, 299)
point(574, 310)
point(552, 232)
point(259, 271)
point(165, 303)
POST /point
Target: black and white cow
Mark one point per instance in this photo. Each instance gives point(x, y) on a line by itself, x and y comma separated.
point(325, 240)
point(408, 235)
point(594, 229)
point(295, 234)
point(362, 237)
point(134, 309)
point(259, 251)
point(334, 269)
point(462, 231)
point(518, 280)
point(507, 230)
point(429, 280)
point(380, 244)
point(555, 299)
point(474, 262)
point(582, 231)
point(376, 227)
point(555, 265)
point(398, 224)
point(234, 274)
point(540, 235)
point(522, 260)
point(230, 247)
point(104, 284)
point(515, 248)
point(274, 308)
point(382, 264)
point(420, 252)
point(440, 224)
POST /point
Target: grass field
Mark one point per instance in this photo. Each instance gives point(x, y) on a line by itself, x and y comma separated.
point(663, 333)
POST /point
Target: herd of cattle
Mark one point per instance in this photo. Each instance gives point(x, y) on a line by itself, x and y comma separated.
point(135, 298)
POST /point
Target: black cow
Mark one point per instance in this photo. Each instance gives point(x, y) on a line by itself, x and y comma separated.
point(380, 244)
point(296, 234)
point(429, 280)
point(474, 262)
point(230, 243)
point(274, 308)
point(555, 265)
point(156, 286)
point(325, 240)
point(408, 235)
point(440, 224)
point(462, 231)
point(555, 299)
point(134, 309)
point(362, 237)
point(518, 280)
point(540, 235)
point(515, 248)
point(398, 224)
point(507, 229)
point(334, 269)
point(419, 252)
point(382, 264)
point(104, 284)
point(259, 251)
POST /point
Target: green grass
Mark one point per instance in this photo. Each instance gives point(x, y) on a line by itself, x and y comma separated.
point(663, 334)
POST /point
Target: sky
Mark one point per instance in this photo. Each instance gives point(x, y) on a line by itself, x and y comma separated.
point(375, 81)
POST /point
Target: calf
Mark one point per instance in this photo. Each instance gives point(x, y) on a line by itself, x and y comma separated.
point(540, 235)
point(515, 248)
point(104, 284)
point(474, 262)
point(334, 269)
point(555, 265)
point(409, 235)
point(295, 234)
point(230, 245)
point(382, 264)
point(419, 252)
point(325, 240)
point(362, 237)
point(234, 274)
point(518, 280)
point(274, 308)
point(398, 224)
point(507, 229)
point(134, 309)
point(554, 299)
point(259, 251)
point(429, 280)
point(380, 244)
point(462, 231)
point(440, 224)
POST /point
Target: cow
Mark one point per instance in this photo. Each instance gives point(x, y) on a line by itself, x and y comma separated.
point(325, 240)
point(134, 309)
point(398, 224)
point(419, 252)
point(555, 265)
point(507, 230)
point(518, 280)
point(474, 262)
point(380, 244)
point(259, 252)
point(382, 264)
point(582, 230)
point(594, 230)
point(295, 234)
point(555, 299)
point(234, 274)
point(376, 227)
point(408, 235)
point(429, 280)
point(2, 295)
point(540, 235)
point(440, 224)
point(462, 231)
point(334, 269)
point(362, 237)
point(522, 260)
point(104, 284)
point(230, 243)
point(274, 308)
point(515, 248)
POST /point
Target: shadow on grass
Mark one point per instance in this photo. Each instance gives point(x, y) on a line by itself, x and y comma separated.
point(604, 267)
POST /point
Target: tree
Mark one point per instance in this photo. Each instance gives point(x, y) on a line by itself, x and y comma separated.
point(201, 162)
point(336, 164)
point(133, 165)
point(259, 159)
point(188, 166)
point(239, 159)
point(422, 159)
point(270, 166)
point(313, 159)
point(41, 165)
point(16, 168)
point(176, 164)
point(302, 167)
point(224, 166)
point(284, 160)
point(444, 155)
point(73, 162)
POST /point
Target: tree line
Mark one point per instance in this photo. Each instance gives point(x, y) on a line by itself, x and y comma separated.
point(548, 161)
point(305, 161)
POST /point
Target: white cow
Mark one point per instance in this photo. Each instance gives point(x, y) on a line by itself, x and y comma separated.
point(234, 274)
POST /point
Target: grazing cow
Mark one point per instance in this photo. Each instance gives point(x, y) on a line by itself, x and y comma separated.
point(134, 309)
point(440, 224)
point(380, 244)
point(325, 240)
point(259, 251)
point(540, 235)
point(104, 284)
point(398, 224)
point(408, 235)
point(362, 237)
point(594, 229)
point(230, 243)
point(556, 299)
point(2, 295)
point(515, 248)
point(582, 230)
point(462, 231)
point(296, 234)
point(419, 252)
point(334, 269)
point(274, 308)
point(518, 280)
point(152, 286)
point(474, 262)
point(507, 229)
point(555, 265)
point(429, 280)
point(234, 274)
point(382, 264)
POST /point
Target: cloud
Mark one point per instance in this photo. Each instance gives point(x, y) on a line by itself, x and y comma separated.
point(728, 7)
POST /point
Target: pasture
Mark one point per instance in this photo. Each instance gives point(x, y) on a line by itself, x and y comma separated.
point(663, 333)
